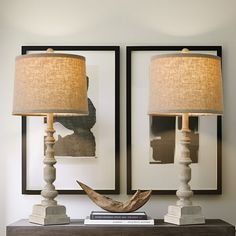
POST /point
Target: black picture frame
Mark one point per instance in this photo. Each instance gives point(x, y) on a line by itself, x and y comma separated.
point(116, 51)
point(130, 53)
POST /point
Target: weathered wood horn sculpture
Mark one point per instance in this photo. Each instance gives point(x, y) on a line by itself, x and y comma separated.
point(108, 204)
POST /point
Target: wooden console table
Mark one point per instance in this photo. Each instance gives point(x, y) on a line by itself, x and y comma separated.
point(77, 228)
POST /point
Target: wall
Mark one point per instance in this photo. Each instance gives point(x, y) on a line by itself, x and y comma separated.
point(113, 22)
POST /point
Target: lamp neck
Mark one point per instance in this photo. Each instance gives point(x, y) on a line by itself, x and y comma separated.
point(50, 120)
point(185, 121)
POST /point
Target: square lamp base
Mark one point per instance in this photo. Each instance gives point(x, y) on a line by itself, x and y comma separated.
point(49, 215)
point(184, 215)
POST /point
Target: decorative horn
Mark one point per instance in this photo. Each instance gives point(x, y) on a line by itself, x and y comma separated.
point(108, 204)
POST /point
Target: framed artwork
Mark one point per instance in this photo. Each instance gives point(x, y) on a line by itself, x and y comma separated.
point(87, 148)
point(152, 141)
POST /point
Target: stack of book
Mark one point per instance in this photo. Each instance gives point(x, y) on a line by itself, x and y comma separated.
point(104, 217)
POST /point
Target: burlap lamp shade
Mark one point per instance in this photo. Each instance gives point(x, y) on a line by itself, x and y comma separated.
point(50, 83)
point(185, 83)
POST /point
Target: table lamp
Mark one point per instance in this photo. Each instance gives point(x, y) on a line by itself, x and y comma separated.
point(48, 84)
point(185, 84)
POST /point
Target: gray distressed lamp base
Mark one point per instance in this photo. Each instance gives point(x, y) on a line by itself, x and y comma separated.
point(184, 215)
point(49, 215)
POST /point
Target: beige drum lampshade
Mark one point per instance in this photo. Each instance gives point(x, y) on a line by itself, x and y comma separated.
point(185, 83)
point(50, 83)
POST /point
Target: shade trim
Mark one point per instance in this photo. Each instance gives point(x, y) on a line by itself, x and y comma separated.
point(189, 111)
point(186, 55)
point(50, 55)
point(46, 111)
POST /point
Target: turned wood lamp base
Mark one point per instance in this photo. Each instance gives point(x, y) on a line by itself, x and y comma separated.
point(49, 212)
point(184, 212)
point(184, 215)
point(49, 215)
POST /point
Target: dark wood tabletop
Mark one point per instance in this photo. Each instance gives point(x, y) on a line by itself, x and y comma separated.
point(212, 227)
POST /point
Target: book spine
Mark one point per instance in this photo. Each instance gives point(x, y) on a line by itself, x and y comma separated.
point(118, 217)
point(120, 222)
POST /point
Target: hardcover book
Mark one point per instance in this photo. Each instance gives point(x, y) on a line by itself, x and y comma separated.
point(88, 221)
point(104, 215)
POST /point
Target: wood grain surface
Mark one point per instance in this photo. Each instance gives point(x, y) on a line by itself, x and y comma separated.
point(77, 228)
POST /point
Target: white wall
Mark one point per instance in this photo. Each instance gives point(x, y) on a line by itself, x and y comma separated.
point(113, 22)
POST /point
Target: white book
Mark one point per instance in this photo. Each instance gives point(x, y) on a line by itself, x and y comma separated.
point(87, 221)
